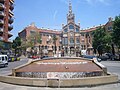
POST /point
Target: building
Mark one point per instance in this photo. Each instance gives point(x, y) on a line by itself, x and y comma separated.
point(6, 20)
point(71, 34)
point(44, 34)
point(72, 40)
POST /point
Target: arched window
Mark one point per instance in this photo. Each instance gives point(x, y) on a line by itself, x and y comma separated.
point(77, 40)
point(77, 30)
point(71, 40)
point(71, 27)
point(66, 30)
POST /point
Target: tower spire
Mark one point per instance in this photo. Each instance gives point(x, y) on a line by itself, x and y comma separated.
point(70, 7)
point(70, 15)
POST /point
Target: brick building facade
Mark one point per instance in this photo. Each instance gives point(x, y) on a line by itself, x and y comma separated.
point(44, 35)
point(6, 19)
point(72, 40)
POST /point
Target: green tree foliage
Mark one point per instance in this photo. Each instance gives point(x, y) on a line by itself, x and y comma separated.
point(99, 39)
point(116, 31)
point(16, 44)
point(31, 41)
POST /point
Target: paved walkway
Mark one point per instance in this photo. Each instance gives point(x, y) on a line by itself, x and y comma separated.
point(4, 86)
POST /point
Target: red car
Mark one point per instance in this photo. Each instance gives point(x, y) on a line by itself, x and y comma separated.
point(35, 57)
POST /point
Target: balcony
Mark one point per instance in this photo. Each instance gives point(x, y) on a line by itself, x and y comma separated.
point(11, 7)
point(1, 22)
point(1, 14)
point(12, 1)
point(11, 13)
point(11, 20)
point(10, 27)
point(1, 29)
point(1, 6)
point(9, 35)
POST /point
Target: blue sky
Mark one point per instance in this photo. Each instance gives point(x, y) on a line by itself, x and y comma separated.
point(52, 13)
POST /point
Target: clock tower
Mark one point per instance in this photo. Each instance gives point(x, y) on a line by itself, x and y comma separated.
point(70, 15)
point(71, 34)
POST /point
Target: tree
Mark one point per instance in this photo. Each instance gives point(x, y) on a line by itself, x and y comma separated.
point(108, 42)
point(16, 44)
point(31, 41)
point(99, 40)
point(116, 31)
point(54, 41)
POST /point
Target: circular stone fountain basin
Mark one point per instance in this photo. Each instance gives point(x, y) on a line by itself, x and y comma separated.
point(60, 72)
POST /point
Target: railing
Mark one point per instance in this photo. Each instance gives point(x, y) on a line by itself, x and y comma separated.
point(1, 21)
point(10, 26)
point(1, 13)
point(1, 5)
point(1, 29)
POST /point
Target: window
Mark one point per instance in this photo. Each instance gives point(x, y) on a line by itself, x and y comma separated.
point(109, 28)
point(32, 32)
point(77, 40)
point(6, 58)
point(2, 58)
point(82, 34)
point(46, 47)
point(65, 41)
point(71, 27)
point(65, 30)
point(71, 40)
point(77, 30)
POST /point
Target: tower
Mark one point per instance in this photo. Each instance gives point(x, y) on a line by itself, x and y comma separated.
point(70, 15)
point(71, 34)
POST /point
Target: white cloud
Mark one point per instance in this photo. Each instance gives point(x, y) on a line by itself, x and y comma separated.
point(54, 16)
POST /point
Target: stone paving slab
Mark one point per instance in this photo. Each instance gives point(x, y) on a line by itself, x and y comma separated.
point(4, 86)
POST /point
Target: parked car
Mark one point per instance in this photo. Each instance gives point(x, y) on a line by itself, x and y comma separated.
point(91, 57)
point(13, 58)
point(43, 57)
point(104, 58)
point(110, 56)
point(35, 57)
point(3, 60)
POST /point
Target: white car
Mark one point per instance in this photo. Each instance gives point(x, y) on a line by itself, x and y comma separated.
point(3, 60)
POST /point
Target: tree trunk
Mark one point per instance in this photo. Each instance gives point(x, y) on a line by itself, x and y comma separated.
point(113, 50)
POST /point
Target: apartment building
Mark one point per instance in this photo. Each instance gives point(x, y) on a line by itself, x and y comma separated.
point(6, 20)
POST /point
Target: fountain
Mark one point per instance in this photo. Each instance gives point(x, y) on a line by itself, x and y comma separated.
point(61, 72)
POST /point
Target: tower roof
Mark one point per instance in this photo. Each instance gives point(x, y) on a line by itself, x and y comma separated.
point(70, 15)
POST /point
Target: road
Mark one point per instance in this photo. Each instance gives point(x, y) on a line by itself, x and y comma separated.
point(112, 66)
point(11, 65)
